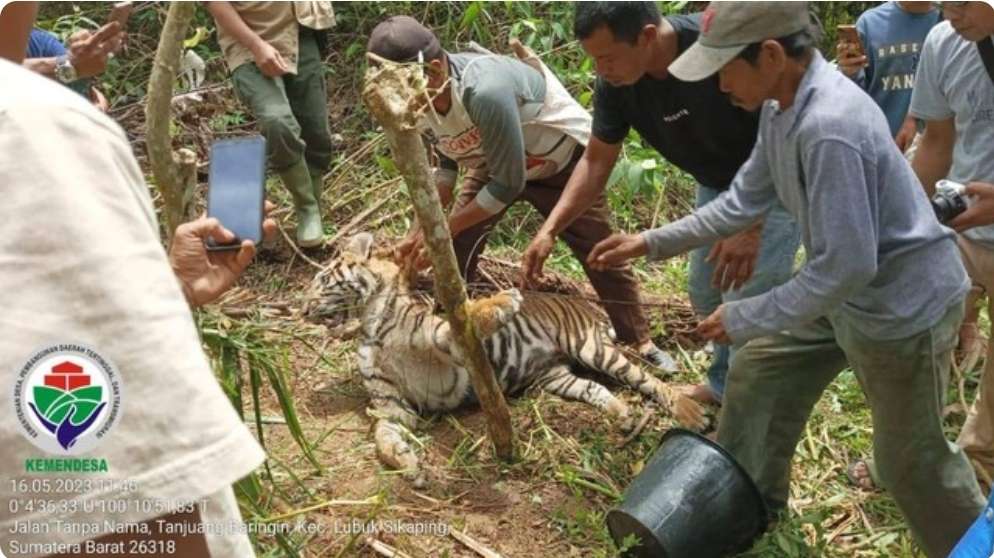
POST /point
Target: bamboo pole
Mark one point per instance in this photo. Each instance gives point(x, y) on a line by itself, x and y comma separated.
point(394, 94)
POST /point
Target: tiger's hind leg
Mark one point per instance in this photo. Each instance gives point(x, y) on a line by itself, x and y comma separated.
point(562, 382)
point(394, 416)
point(600, 354)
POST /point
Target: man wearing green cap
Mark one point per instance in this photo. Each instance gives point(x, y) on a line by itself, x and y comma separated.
point(273, 52)
point(882, 290)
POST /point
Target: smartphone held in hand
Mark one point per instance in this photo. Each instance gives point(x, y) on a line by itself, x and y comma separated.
point(849, 34)
point(236, 188)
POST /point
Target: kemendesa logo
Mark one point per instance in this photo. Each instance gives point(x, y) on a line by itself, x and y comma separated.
point(67, 398)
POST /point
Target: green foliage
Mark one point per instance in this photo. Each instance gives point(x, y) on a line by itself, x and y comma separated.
point(225, 122)
point(250, 359)
point(585, 527)
point(238, 348)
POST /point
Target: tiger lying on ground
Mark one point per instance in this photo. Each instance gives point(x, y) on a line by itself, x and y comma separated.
point(409, 366)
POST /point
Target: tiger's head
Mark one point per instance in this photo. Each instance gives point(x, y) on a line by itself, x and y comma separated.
point(344, 287)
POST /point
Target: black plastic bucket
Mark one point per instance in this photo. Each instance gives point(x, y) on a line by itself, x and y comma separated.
point(692, 500)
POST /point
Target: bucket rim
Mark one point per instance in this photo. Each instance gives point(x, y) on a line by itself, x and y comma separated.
point(765, 518)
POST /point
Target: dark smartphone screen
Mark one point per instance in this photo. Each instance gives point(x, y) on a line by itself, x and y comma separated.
point(236, 188)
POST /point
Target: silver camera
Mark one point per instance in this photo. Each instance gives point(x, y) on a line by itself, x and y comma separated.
point(950, 200)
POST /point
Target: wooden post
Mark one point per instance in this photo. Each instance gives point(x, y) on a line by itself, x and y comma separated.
point(175, 173)
point(394, 93)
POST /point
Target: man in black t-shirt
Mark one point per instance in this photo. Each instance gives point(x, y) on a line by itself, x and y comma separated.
point(691, 124)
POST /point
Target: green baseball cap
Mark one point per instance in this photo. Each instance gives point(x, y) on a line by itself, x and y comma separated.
point(727, 28)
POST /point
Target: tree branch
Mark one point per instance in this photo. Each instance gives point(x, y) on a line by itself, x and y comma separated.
point(394, 94)
point(175, 173)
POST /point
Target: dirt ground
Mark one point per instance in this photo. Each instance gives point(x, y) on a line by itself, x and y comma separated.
point(535, 506)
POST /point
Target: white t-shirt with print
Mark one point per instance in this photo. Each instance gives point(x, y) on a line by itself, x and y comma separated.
point(81, 261)
point(952, 82)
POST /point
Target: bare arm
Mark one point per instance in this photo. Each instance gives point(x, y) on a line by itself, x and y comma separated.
point(16, 19)
point(43, 66)
point(935, 153)
point(88, 52)
point(229, 20)
point(267, 58)
point(584, 185)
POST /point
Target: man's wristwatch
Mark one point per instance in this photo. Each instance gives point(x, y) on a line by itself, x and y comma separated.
point(64, 70)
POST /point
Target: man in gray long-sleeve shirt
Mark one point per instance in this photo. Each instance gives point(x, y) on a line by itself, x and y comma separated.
point(517, 133)
point(882, 288)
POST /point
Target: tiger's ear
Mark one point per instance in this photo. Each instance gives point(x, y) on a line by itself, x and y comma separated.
point(360, 245)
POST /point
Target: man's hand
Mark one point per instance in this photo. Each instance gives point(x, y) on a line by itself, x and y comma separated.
point(88, 52)
point(713, 329)
point(734, 258)
point(906, 134)
point(981, 212)
point(99, 100)
point(269, 60)
point(850, 62)
point(411, 253)
point(206, 275)
point(534, 258)
point(616, 250)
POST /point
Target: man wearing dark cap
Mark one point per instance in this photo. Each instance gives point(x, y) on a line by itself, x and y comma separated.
point(695, 128)
point(517, 134)
point(882, 290)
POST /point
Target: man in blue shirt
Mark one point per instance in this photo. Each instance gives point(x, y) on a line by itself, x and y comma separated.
point(891, 35)
point(74, 67)
point(45, 45)
point(882, 289)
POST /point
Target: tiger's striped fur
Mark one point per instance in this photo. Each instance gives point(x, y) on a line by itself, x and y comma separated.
point(410, 366)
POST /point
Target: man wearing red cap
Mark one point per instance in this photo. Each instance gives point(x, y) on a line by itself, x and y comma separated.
point(882, 289)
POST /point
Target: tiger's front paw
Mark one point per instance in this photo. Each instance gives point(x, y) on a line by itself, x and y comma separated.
point(494, 312)
point(627, 424)
point(624, 419)
point(417, 477)
point(681, 406)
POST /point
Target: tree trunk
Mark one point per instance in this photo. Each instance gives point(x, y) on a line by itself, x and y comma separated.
point(175, 173)
point(391, 92)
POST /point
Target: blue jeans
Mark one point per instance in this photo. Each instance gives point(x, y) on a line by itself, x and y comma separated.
point(774, 266)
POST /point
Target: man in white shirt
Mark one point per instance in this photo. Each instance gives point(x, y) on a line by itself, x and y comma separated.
point(81, 262)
